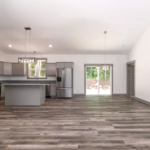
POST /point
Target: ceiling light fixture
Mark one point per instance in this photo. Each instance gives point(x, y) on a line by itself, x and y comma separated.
point(50, 45)
point(10, 45)
point(27, 59)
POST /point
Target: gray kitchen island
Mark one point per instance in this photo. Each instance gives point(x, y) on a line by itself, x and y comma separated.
point(17, 94)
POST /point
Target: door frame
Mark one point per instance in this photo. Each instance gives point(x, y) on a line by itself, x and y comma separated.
point(85, 65)
point(127, 84)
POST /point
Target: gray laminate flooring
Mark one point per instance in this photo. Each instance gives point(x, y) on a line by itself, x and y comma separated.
point(83, 123)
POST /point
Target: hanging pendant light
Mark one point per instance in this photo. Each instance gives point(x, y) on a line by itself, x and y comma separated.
point(35, 60)
point(27, 59)
point(105, 66)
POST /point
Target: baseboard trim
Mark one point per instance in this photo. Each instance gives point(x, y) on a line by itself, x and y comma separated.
point(119, 94)
point(78, 94)
point(142, 101)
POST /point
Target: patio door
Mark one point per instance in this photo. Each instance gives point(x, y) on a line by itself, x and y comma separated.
point(98, 80)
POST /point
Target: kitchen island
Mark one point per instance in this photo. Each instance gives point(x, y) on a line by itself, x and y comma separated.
point(24, 94)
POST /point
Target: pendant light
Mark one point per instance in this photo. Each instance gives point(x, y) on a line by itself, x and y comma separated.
point(27, 59)
point(35, 60)
point(105, 66)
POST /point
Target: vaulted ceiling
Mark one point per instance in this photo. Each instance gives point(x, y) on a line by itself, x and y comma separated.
point(72, 26)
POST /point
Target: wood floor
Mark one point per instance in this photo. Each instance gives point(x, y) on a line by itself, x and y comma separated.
point(93, 123)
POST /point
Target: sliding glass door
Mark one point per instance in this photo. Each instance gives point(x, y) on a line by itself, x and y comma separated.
point(92, 80)
point(104, 80)
point(98, 80)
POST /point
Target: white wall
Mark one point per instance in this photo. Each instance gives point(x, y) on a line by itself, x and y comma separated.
point(141, 54)
point(119, 62)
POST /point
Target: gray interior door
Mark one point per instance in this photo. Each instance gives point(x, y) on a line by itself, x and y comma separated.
point(131, 80)
point(60, 75)
point(132, 75)
point(128, 80)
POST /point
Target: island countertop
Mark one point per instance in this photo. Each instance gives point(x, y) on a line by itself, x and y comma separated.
point(28, 81)
point(26, 84)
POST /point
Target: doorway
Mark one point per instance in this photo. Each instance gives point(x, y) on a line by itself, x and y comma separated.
point(131, 79)
point(98, 79)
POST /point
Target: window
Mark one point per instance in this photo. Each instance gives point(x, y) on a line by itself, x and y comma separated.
point(37, 70)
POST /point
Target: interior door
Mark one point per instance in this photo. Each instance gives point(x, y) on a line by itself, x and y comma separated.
point(128, 80)
point(131, 80)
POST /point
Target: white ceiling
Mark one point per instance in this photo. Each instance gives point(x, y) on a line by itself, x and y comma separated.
point(72, 26)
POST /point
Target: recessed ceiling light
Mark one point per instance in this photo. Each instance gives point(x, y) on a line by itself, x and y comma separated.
point(50, 45)
point(10, 45)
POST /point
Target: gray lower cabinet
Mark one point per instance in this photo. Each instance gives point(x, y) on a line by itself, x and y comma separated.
point(2, 91)
point(1, 68)
point(18, 69)
point(50, 90)
point(7, 69)
point(53, 90)
point(51, 69)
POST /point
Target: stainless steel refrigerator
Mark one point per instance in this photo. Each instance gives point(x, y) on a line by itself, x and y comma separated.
point(64, 82)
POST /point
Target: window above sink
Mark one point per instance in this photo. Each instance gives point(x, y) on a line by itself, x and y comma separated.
point(37, 70)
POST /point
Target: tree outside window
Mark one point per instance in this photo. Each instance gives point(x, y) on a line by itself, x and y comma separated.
point(91, 73)
point(37, 70)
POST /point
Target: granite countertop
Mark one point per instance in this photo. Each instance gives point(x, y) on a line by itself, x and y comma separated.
point(26, 84)
point(28, 81)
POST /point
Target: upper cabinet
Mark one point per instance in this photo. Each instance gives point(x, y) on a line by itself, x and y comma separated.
point(18, 69)
point(1, 68)
point(60, 65)
point(7, 68)
point(12, 69)
point(51, 69)
point(64, 65)
point(69, 64)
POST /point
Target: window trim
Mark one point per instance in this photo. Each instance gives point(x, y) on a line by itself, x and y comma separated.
point(33, 69)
